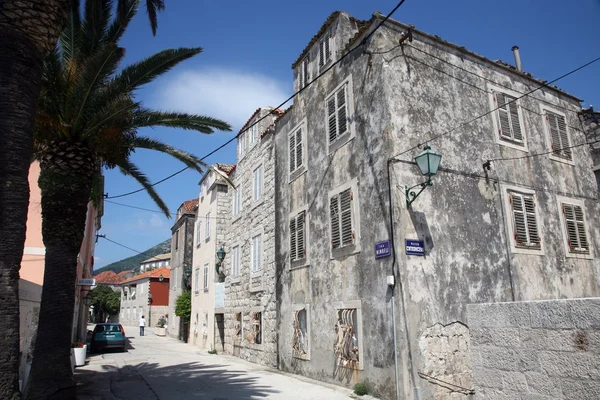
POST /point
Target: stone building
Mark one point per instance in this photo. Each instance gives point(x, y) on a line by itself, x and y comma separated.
point(590, 120)
point(250, 307)
point(182, 247)
point(158, 261)
point(213, 215)
point(145, 294)
point(508, 218)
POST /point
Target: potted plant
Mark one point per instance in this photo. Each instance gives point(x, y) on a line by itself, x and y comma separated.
point(161, 329)
point(79, 351)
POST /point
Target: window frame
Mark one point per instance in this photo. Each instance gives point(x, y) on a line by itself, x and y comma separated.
point(299, 169)
point(340, 140)
point(545, 109)
point(197, 280)
point(256, 270)
point(297, 308)
point(235, 262)
point(236, 202)
point(258, 200)
point(205, 277)
point(304, 72)
point(354, 247)
point(207, 227)
point(509, 220)
point(198, 232)
point(515, 144)
point(299, 262)
point(565, 235)
point(324, 50)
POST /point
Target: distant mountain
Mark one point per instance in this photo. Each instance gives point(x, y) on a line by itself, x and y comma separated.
point(133, 263)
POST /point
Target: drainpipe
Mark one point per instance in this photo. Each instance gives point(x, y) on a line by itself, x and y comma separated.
point(416, 390)
point(515, 50)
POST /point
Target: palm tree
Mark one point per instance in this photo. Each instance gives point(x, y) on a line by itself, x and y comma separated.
point(29, 31)
point(88, 118)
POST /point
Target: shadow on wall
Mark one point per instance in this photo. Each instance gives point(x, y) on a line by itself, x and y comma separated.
point(183, 382)
point(419, 221)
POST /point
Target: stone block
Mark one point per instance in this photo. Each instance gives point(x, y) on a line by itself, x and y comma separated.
point(580, 389)
point(499, 315)
point(542, 384)
point(504, 359)
point(487, 378)
point(561, 340)
point(491, 394)
point(585, 313)
point(533, 339)
point(551, 314)
point(529, 360)
point(514, 382)
point(570, 365)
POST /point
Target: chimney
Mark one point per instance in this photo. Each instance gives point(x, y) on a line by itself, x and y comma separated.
point(515, 50)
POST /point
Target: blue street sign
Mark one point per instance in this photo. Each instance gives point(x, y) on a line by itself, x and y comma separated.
point(415, 247)
point(382, 249)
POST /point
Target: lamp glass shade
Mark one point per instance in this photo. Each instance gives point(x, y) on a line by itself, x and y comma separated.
point(161, 278)
point(428, 161)
point(187, 272)
point(87, 300)
point(221, 254)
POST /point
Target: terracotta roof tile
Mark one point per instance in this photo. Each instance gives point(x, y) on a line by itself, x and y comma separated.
point(227, 168)
point(189, 206)
point(277, 111)
point(107, 278)
point(155, 273)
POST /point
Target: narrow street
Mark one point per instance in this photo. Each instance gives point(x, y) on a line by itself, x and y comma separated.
point(164, 368)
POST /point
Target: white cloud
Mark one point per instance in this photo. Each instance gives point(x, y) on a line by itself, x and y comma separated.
point(227, 94)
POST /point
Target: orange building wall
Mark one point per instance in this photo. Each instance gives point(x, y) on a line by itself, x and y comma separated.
point(32, 265)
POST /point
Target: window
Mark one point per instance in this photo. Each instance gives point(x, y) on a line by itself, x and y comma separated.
point(346, 337)
point(507, 117)
point(337, 116)
point(198, 232)
point(340, 208)
point(257, 183)
point(297, 237)
point(252, 134)
point(255, 336)
point(324, 51)
point(296, 150)
point(300, 336)
point(256, 253)
point(556, 126)
point(197, 280)
point(237, 328)
point(141, 288)
point(303, 72)
point(575, 229)
point(236, 200)
point(241, 144)
point(176, 239)
point(207, 224)
point(235, 261)
point(525, 226)
point(205, 277)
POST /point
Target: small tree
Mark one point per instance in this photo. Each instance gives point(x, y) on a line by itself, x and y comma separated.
point(106, 302)
point(183, 306)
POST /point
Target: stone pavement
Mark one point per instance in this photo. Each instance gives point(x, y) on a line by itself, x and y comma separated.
point(164, 368)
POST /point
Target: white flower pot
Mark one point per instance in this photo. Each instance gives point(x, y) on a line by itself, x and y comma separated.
point(79, 353)
point(161, 331)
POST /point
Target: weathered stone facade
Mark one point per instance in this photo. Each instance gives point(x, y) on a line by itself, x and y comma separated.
point(250, 307)
point(182, 247)
point(394, 99)
point(541, 350)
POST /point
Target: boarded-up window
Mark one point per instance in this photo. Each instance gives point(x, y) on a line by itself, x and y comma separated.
point(575, 227)
point(557, 126)
point(507, 117)
point(297, 237)
point(525, 226)
point(346, 337)
point(255, 334)
point(300, 335)
point(340, 206)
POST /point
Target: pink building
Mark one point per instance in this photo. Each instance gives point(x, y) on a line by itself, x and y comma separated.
point(32, 272)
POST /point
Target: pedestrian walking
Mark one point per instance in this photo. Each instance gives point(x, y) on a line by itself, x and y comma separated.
point(142, 325)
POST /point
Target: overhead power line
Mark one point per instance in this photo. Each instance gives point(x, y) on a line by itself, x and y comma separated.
point(119, 244)
point(150, 210)
point(435, 137)
point(279, 106)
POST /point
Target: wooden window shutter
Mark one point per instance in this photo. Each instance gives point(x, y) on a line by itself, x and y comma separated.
point(335, 222)
point(577, 237)
point(293, 243)
point(342, 114)
point(300, 233)
point(520, 226)
point(331, 115)
point(532, 228)
point(299, 144)
point(581, 234)
point(327, 50)
point(292, 152)
point(558, 134)
point(346, 217)
point(321, 53)
point(515, 122)
point(502, 116)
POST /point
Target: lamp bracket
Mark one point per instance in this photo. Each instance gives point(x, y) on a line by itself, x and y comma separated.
point(410, 193)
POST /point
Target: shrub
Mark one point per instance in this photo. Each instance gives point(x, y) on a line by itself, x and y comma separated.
point(183, 306)
point(161, 322)
point(362, 388)
point(213, 351)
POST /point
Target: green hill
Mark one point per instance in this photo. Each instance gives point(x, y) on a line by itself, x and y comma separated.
point(133, 263)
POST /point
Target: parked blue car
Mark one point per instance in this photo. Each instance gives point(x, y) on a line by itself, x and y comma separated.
point(108, 336)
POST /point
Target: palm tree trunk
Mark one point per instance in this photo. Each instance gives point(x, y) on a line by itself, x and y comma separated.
point(28, 31)
point(65, 196)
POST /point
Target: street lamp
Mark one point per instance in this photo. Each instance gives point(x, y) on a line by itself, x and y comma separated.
point(187, 272)
point(161, 278)
point(220, 257)
point(88, 299)
point(428, 162)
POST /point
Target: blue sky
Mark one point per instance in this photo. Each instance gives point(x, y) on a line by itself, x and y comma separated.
point(246, 63)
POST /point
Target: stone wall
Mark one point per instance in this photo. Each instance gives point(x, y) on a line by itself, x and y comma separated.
point(540, 350)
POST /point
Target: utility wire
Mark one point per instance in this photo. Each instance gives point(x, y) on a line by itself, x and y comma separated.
point(544, 153)
point(150, 210)
point(122, 245)
point(495, 109)
point(279, 106)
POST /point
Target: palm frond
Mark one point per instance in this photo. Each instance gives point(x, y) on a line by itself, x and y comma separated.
point(70, 35)
point(140, 73)
point(190, 160)
point(152, 7)
point(130, 169)
point(145, 117)
point(126, 10)
point(94, 72)
point(118, 109)
point(95, 23)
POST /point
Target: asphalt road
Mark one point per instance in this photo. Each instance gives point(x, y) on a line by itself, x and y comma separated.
point(166, 369)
